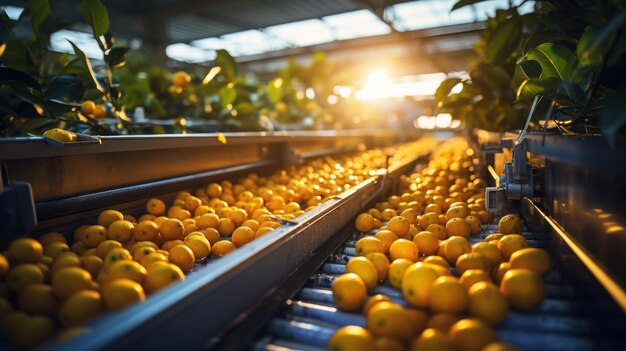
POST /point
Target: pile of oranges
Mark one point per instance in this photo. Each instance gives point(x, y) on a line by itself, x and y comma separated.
point(51, 282)
point(456, 292)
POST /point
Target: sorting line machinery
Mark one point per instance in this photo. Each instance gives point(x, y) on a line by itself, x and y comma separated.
point(274, 292)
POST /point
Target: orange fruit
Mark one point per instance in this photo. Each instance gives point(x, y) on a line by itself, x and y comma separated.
point(151, 258)
point(442, 321)
point(523, 288)
point(364, 222)
point(146, 231)
point(458, 227)
point(396, 271)
point(105, 218)
point(433, 208)
point(417, 284)
point(70, 280)
point(211, 234)
point(226, 227)
point(349, 292)
point(510, 224)
point(222, 248)
point(181, 79)
point(66, 259)
point(365, 269)
point(25, 250)
point(170, 244)
point(456, 212)
point(37, 299)
point(427, 243)
point(51, 237)
point(493, 236)
point(385, 343)
point(104, 247)
point(388, 214)
point(155, 207)
point(373, 301)
point(351, 338)
point(471, 335)
point(126, 269)
point(172, 229)
point(473, 276)
point(238, 216)
point(536, 260)
point(439, 230)
point(94, 235)
point(191, 203)
point(403, 248)
point(24, 275)
point(510, 243)
point(200, 246)
point(438, 260)
point(448, 295)
point(121, 230)
point(242, 236)
point(391, 320)
point(92, 264)
point(471, 260)
point(182, 256)
point(381, 263)
point(409, 214)
point(487, 303)
point(208, 220)
point(454, 247)
point(114, 255)
point(499, 346)
point(369, 244)
point(428, 219)
point(80, 308)
point(214, 190)
point(31, 331)
point(432, 340)
point(399, 225)
point(122, 293)
point(489, 251)
point(5, 266)
point(387, 237)
point(56, 248)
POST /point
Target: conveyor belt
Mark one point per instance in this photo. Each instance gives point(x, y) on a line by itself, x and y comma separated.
point(572, 317)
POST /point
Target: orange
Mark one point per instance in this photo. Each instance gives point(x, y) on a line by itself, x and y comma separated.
point(391, 320)
point(145, 217)
point(489, 251)
point(276, 203)
point(211, 234)
point(94, 235)
point(493, 236)
point(238, 216)
point(364, 222)
point(471, 260)
point(172, 229)
point(510, 243)
point(388, 214)
point(192, 202)
point(387, 237)
point(454, 247)
point(122, 293)
point(145, 231)
point(66, 259)
point(155, 207)
point(499, 346)
point(92, 264)
point(222, 248)
point(487, 303)
point(31, 332)
point(523, 288)
point(365, 269)
point(369, 244)
point(4, 266)
point(214, 190)
point(104, 247)
point(427, 243)
point(388, 344)
point(51, 237)
point(447, 295)
point(349, 292)
point(25, 250)
point(199, 245)
point(471, 335)
point(114, 255)
point(433, 208)
point(532, 259)
point(127, 270)
point(473, 276)
point(373, 301)
point(105, 218)
point(500, 271)
point(182, 256)
point(251, 223)
point(37, 299)
point(428, 219)
point(403, 248)
point(56, 248)
point(431, 340)
point(417, 284)
point(439, 230)
point(151, 258)
point(226, 227)
point(208, 220)
point(381, 263)
point(442, 321)
point(87, 107)
point(510, 224)
point(80, 308)
point(351, 338)
point(242, 236)
point(409, 214)
point(458, 227)
point(456, 212)
point(438, 260)
point(181, 79)
point(70, 280)
point(143, 244)
point(396, 271)
point(399, 225)
point(170, 244)
point(140, 252)
point(121, 230)
point(24, 275)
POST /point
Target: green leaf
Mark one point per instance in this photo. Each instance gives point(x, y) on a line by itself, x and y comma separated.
point(445, 87)
point(539, 86)
point(504, 40)
point(38, 12)
point(65, 87)
point(8, 75)
point(531, 68)
point(555, 60)
point(96, 15)
point(598, 42)
point(116, 57)
point(6, 25)
point(88, 67)
point(613, 116)
point(569, 92)
point(227, 63)
point(590, 57)
point(228, 94)
point(274, 90)
point(463, 3)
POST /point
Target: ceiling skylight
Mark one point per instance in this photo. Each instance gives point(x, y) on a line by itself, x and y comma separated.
point(13, 12)
point(187, 53)
point(84, 41)
point(302, 33)
point(356, 24)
